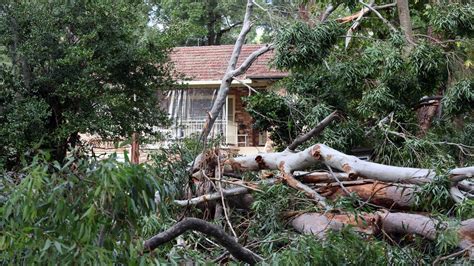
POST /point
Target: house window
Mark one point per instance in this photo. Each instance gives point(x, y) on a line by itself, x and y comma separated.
point(188, 109)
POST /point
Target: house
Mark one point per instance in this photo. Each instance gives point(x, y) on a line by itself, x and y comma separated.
point(203, 68)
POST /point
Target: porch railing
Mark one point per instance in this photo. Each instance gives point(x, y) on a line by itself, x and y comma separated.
point(190, 127)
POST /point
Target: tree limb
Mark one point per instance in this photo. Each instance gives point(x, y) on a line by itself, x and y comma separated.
point(238, 251)
point(363, 12)
point(329, 9)
point(314, 132)
point(250, 59)
point(371, 223)
point(227, 78)
point(232, 71)
point(225, 193)
point(349, 164)
point(380, 16)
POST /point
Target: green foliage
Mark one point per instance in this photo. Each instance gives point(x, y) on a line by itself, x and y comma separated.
point(339, 248)
point(435, 196)
point(208, 22)
point(82, 212)
point(301, 45)
point(429, 64)
point(453, 19)
point(91, 212)
point(374, 80)
point(459, 97)
point(85, 67)
point(376, 101)
point(271, 204)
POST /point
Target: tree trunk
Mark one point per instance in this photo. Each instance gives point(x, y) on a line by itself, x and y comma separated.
point(135, 149)
point(211, 25)
point(405, 21)
point(232, 71)
point(390, 223)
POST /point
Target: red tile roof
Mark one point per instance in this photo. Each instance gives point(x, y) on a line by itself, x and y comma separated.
point(210, 62)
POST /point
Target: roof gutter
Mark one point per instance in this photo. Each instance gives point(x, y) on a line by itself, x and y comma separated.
point(211, 82)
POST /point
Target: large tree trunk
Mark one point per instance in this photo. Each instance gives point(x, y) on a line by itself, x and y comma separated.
point(211, 25)
point(387, 222)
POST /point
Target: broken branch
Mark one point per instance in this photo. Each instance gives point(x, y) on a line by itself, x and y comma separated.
point(238, 251)
point(313, 132)
point(217, 195)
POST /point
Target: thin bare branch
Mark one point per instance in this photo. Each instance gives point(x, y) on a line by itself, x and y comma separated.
point(329, 9)
point(225, 193)
point(380, 16)
point(246, 85)
point(313, 132)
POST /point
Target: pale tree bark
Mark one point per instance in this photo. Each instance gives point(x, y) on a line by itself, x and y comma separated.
point(287, 162)
point(233, 71)
point(329, 9)
point(294, 161)
point(382, 221)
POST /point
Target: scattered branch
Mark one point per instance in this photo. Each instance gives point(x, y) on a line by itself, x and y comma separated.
point(225, 193)
point(455, 254)
point(224, 207)
point(238, 251)
point(363, 12)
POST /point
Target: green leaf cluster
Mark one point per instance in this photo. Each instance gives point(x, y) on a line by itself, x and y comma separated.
point(85, 67)
point(87, 211)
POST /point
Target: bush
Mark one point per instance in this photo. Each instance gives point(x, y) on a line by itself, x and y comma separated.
point(84, 212)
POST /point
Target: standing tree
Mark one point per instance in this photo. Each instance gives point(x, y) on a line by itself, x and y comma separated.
point(78, 67)
point(208, 22)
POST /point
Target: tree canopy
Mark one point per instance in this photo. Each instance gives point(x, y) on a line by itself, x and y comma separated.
point(78, 67)
point(208, 22)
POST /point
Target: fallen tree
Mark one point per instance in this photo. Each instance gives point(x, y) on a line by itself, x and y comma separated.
point(390, 191)
point(384, 186)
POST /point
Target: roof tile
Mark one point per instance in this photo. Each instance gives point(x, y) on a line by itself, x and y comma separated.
point(210, 62)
